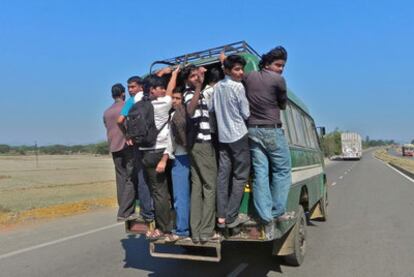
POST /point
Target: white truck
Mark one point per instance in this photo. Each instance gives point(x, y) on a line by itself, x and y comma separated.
point(351, 144)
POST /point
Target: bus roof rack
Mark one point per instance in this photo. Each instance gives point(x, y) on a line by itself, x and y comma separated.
point(233, 48)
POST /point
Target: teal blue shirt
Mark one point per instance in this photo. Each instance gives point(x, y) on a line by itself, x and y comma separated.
point(127, 106)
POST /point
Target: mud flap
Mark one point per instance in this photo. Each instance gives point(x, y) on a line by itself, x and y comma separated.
point(317, 212)
point(284, 245)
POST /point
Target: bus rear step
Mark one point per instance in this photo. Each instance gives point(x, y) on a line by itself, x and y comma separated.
point(213, 245)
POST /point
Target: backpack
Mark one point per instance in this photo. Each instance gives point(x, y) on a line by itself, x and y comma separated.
point(140, 123)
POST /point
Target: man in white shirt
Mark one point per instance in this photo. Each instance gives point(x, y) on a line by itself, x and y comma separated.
point(154, 159)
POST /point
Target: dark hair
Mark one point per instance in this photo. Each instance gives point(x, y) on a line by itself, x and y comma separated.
point(277, 53)
point(117, 90)
point(213, 75)
point(232, 60)
point(179, 89)
point(135, 79)
point(153, 81)
point(185, 73)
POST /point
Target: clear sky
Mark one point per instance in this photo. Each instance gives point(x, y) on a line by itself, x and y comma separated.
point(350, 61)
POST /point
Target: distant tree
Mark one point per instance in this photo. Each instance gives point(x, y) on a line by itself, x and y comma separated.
point(20, 150)
point(331, 143)
point(4, 148)
point(56, 149)
point(101, 148)
point(412, 142)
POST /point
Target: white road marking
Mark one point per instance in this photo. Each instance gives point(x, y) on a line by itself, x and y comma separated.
point(396, 170)
point(402, 174)
point(238, 270)
point(333, 184)
point(346, 172)
point(341, 177)
point(17, 252)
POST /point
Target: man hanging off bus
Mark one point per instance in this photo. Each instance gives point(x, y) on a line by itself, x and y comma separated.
point(266, 91)
point(271, 164)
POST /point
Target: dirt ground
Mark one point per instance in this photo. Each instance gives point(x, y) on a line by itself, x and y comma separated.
point(54, 185)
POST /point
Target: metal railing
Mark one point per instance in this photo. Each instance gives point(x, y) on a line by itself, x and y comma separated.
point(228, 49)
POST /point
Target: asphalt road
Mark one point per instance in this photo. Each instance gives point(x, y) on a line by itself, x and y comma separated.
point(369, 233)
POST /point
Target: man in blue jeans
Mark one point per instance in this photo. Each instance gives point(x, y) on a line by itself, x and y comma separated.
point(266, 92)
point(180, 171)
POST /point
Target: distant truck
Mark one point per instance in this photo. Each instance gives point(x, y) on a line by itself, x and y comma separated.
point(408, 150)
point(351, 144)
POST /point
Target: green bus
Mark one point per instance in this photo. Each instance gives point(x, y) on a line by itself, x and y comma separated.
point(308, 195)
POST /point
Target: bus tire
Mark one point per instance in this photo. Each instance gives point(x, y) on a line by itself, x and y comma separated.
point(299, 240)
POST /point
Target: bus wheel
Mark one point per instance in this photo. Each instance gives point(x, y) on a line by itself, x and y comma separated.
point(324, 206)
point(299, 240)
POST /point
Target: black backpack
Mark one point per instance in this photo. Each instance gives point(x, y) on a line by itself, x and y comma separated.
point(140, 123)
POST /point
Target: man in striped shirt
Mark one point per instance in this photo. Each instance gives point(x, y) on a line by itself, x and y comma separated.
point(232, 110)
point(202, 157)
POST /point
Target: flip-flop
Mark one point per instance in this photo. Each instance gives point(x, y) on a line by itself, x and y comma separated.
point(286, 216)
point(171, 237)
point(148, 234)
point(156, 234)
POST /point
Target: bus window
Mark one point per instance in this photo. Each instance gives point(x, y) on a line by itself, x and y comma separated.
point(291, 124)
point(299, 126)
point(285, 126)
point(311, 133)
point(306, 129)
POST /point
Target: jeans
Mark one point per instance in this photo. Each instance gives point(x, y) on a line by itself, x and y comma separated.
point(234, 161)
point(146, 206)
point(180, 174)
point(272, 171)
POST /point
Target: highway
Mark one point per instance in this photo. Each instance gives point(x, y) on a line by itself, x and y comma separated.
point(369, 233)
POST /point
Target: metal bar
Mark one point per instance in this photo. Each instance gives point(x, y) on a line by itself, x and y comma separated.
point(236, 47)
point(153, 253)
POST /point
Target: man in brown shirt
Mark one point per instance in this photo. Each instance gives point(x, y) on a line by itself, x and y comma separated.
point(266, 92)
point(122, 156)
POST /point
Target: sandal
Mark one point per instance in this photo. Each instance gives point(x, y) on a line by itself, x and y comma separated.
point(286, 216)
point(155, 235)
point(215, 236)
point(148, 234)
point(171, 238)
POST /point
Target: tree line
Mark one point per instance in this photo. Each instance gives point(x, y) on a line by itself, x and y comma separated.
point(100, 148)
point(331, 143)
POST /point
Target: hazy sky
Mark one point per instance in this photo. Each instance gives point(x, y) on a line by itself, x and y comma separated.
point(351, 62)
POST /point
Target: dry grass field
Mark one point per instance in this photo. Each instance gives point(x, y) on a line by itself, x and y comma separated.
point(406, 164)
point(55, 186)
